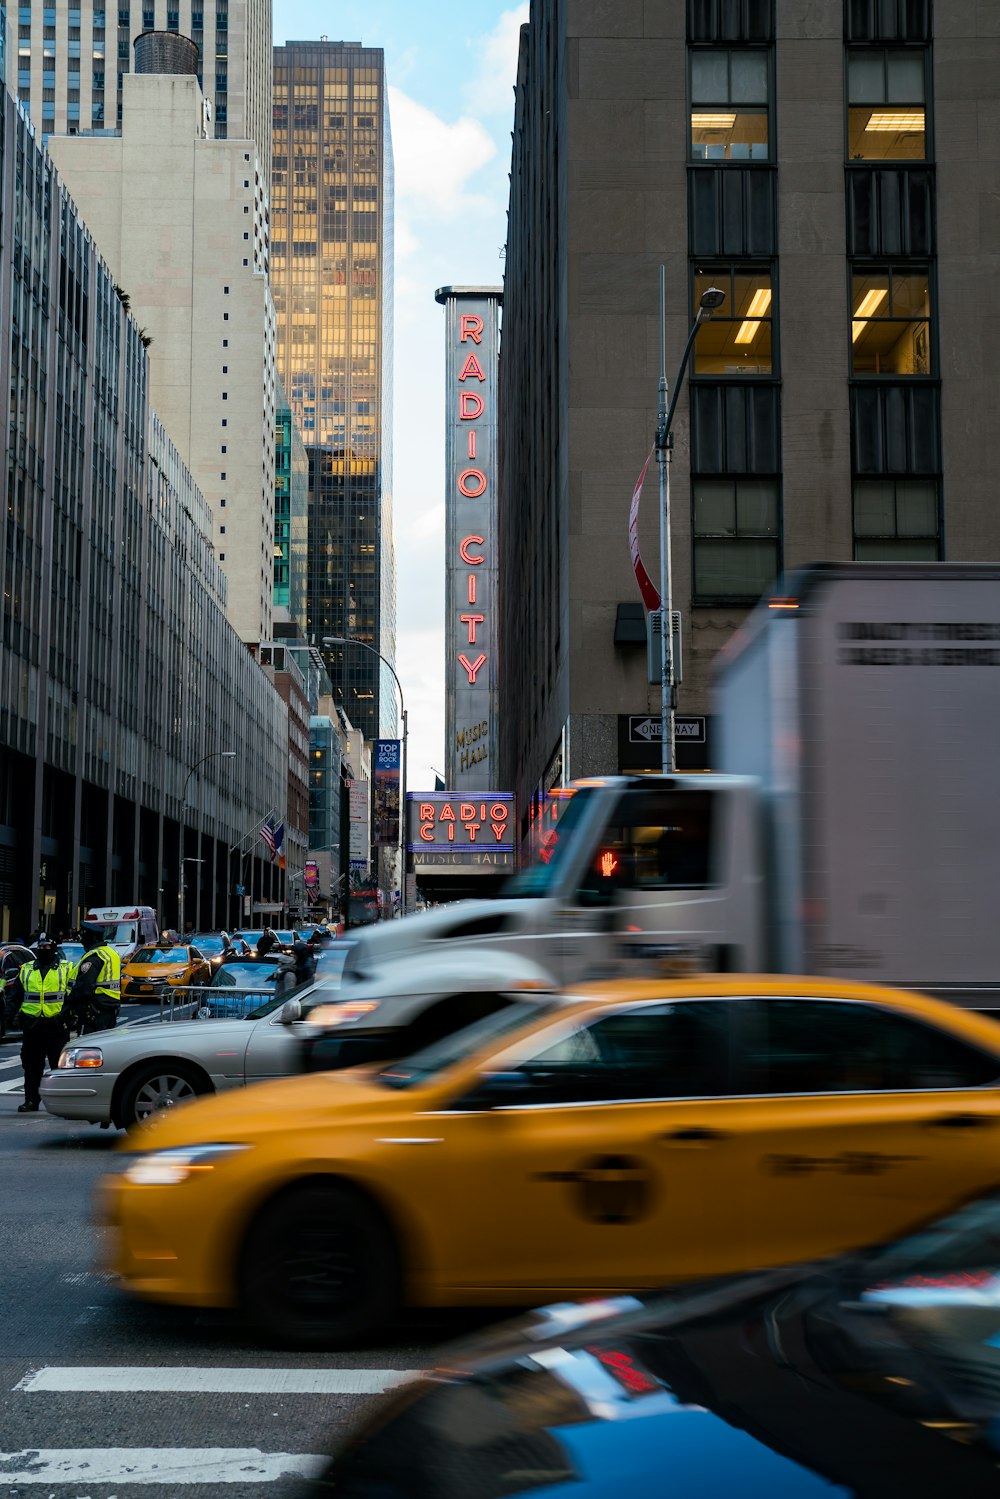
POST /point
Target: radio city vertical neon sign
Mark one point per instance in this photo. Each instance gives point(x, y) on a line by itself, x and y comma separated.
point(472, 485)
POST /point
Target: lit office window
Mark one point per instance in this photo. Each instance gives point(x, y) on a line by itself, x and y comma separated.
point(729, 104)
point(890, 321)
point(737, 338)
point(886, 113)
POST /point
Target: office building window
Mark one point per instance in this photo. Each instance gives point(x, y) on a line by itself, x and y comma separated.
point(886, 108)
point(736, 537)
point(737, 339)
point(891, 320)
point(729, 104)
point(896, 520)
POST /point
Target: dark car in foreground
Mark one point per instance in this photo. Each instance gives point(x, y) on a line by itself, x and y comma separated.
point(876, 1374)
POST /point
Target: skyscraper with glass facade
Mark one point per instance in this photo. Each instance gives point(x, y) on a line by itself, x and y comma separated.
point(331, 278)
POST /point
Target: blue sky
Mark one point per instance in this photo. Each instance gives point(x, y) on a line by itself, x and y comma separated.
point(451, 71)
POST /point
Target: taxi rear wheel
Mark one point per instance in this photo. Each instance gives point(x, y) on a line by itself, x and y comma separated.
point(319, 1268)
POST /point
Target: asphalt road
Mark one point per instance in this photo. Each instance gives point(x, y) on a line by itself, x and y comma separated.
point(105, 1398)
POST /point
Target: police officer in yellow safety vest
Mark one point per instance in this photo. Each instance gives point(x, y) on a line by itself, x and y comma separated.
point(96, 994)
point(38, 995)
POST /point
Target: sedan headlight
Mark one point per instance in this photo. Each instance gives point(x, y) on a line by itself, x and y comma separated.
point(164, 1168)
point(342, 1014)
point(80, 1056)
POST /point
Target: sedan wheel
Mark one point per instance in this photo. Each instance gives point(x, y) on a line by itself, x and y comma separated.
point(161, 1086)
point(319, 1268)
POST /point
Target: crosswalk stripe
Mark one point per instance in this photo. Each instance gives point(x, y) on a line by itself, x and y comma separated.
point(11, 1062)
point(99, 1379)
point(162, 1465)
point(16, 1085)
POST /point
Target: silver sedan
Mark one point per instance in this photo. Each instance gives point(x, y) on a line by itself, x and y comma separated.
point(122, 1076)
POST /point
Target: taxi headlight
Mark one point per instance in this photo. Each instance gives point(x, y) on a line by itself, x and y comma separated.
point(80, 1056)
point(342, 1014)
point(164, 1168)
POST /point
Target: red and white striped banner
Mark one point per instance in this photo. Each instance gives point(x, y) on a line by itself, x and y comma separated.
point(648, 589)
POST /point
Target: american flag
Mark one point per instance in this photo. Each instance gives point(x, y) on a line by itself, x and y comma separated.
point(267, 835)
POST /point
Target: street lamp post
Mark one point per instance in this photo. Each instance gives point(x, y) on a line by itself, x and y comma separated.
point(708, 301)
point(212, 755)
point(351, 640)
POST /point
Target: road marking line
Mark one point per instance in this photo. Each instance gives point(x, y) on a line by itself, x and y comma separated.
point(16, 1085)
point(13, 1062)
point(162, 1465)
point(149, 1379)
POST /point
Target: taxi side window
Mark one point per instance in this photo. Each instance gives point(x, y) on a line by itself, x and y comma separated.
point(814, 1046)
point(661, 1051)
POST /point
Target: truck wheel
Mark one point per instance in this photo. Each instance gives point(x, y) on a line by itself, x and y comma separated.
point(319, 1268)
point(161, 1085)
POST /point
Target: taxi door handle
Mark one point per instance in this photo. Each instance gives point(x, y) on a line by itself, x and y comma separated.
point(959, 1121)
point(695, 1135)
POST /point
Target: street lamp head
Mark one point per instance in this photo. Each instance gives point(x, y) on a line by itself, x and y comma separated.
point(711, 299)
point(335, 640)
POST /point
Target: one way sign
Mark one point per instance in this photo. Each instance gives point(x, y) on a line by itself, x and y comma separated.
point(645, 729)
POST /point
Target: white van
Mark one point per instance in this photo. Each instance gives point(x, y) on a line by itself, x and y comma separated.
point(126, 927)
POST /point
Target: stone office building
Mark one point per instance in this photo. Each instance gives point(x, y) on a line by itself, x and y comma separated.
point(121, 682)
point(832, 169)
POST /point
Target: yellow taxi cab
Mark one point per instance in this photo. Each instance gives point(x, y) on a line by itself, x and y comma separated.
point(624, 1137)
point(144, 973)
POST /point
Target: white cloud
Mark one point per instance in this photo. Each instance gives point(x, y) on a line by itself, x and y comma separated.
point(435, 162)
point(491, 88)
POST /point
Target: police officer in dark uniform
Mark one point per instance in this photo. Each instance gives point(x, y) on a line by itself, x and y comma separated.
point(38, 994)
point(96, 995)
point(304, 963)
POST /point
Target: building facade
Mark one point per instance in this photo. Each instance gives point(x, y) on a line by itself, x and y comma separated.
point(327, 856)
point(291, 515)
point(280, 667)
point(817, 165)
point(331, 277)
point(181, 220)
point(67, 62)
point(121, 682)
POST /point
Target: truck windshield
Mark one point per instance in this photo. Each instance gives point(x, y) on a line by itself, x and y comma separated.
point(540, 877)
point(121, 933)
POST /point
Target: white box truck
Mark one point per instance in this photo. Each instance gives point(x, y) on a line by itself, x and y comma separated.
point(853, 829)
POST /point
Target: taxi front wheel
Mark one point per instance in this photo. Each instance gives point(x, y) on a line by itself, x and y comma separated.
point(319, 1268)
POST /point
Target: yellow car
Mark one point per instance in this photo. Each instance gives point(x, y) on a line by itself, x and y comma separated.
point(627, 1137)
point(145, 972)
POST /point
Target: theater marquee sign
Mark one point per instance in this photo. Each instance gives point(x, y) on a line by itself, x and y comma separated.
point(447, 831)
point(471, 528)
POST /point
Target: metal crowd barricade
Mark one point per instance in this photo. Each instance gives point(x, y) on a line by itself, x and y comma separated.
point(184, 1002)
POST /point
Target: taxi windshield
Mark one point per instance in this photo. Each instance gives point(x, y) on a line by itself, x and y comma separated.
point(425, 1065)
point(157, 955)
point(540, 876)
